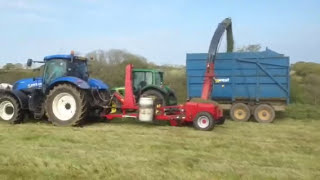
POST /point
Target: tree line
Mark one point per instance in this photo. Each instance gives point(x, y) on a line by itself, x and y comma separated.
point(109, 66)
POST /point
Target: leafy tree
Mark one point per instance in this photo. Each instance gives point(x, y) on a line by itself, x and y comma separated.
point(109, 66)
point(305, 83)
point(9, 66)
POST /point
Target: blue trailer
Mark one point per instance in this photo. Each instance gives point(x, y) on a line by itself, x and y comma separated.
point(246, 83)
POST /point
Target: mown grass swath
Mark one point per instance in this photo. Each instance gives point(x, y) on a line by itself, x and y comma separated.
point(286, 149)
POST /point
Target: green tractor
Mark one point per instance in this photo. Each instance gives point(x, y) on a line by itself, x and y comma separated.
point(149, 83)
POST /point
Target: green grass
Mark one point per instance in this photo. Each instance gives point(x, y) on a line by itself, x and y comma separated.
point(302, 111)
point(286, 149)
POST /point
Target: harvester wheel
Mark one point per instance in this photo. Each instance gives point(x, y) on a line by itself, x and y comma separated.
point(203, 121)
point(66, 105)
point(264, 113)
point(10, 109)
point(240, 112)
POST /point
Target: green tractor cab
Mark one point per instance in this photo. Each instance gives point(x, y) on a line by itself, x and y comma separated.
point(149, 82)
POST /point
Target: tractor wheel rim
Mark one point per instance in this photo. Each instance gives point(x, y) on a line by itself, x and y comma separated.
point(203, 121)
point(64, 106)
point(6, 110)
point(240, 114)
point(264, 115)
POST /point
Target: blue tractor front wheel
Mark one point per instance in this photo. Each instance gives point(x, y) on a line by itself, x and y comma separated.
point(10, 109)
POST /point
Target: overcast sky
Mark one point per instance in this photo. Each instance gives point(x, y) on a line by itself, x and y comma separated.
point(162, 31)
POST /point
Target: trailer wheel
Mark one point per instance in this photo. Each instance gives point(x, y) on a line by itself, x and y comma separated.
point(264, 113)
point(66, 105)
point(10, 109)
point(240, 112)
point(203, 121)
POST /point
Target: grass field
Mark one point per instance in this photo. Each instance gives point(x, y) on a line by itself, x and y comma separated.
point(286, 149)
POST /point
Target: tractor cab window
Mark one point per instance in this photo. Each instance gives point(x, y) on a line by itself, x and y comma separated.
point(142, 79)
point(158, 78)
point(54, 69)
point(78, 68)
point(148, 77)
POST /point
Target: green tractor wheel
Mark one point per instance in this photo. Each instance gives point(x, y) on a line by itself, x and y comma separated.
point(159, 99)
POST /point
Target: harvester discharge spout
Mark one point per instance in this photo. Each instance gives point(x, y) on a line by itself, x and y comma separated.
point(225, 25)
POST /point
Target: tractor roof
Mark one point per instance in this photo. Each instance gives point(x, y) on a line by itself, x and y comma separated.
point(66, 57)
point(147, 70)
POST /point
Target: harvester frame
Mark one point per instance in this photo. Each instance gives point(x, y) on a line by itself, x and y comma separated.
point(204, 114)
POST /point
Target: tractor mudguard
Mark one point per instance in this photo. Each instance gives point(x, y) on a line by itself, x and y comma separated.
point(166, 91)
point(170, 91)
point(97, 84)
point(73, 80)
point(19, 95)
point(152, 87)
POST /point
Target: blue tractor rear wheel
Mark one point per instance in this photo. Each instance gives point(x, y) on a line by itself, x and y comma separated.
point(66, 105)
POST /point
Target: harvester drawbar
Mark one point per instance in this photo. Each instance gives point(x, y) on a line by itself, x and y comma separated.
point(204, 115)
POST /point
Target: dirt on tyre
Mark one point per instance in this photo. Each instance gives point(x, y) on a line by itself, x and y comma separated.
point(240, 112)
point(66, 105)
point(264, 113)
point(10, 109)
point(203, 121)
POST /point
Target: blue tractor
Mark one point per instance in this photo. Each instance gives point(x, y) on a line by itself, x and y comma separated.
point(64, 93)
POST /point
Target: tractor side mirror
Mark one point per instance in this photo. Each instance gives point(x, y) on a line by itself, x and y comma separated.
point(29, 62)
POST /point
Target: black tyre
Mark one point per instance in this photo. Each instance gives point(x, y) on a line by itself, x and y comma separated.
point(10, 109)
point(264, 113)
point(156, 95)
point(203, 121)
point(240, 112)
point(172, 100)
point(66, 105)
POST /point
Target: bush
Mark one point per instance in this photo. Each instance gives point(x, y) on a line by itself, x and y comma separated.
point(11, 76)
point(302, 111)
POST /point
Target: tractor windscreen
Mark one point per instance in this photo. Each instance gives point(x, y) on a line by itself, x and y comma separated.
point(54, 69)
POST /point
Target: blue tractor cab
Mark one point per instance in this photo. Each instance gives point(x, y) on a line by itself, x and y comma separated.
point(64, 92)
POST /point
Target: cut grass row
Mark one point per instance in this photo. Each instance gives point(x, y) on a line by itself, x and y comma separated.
point(285, 149)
